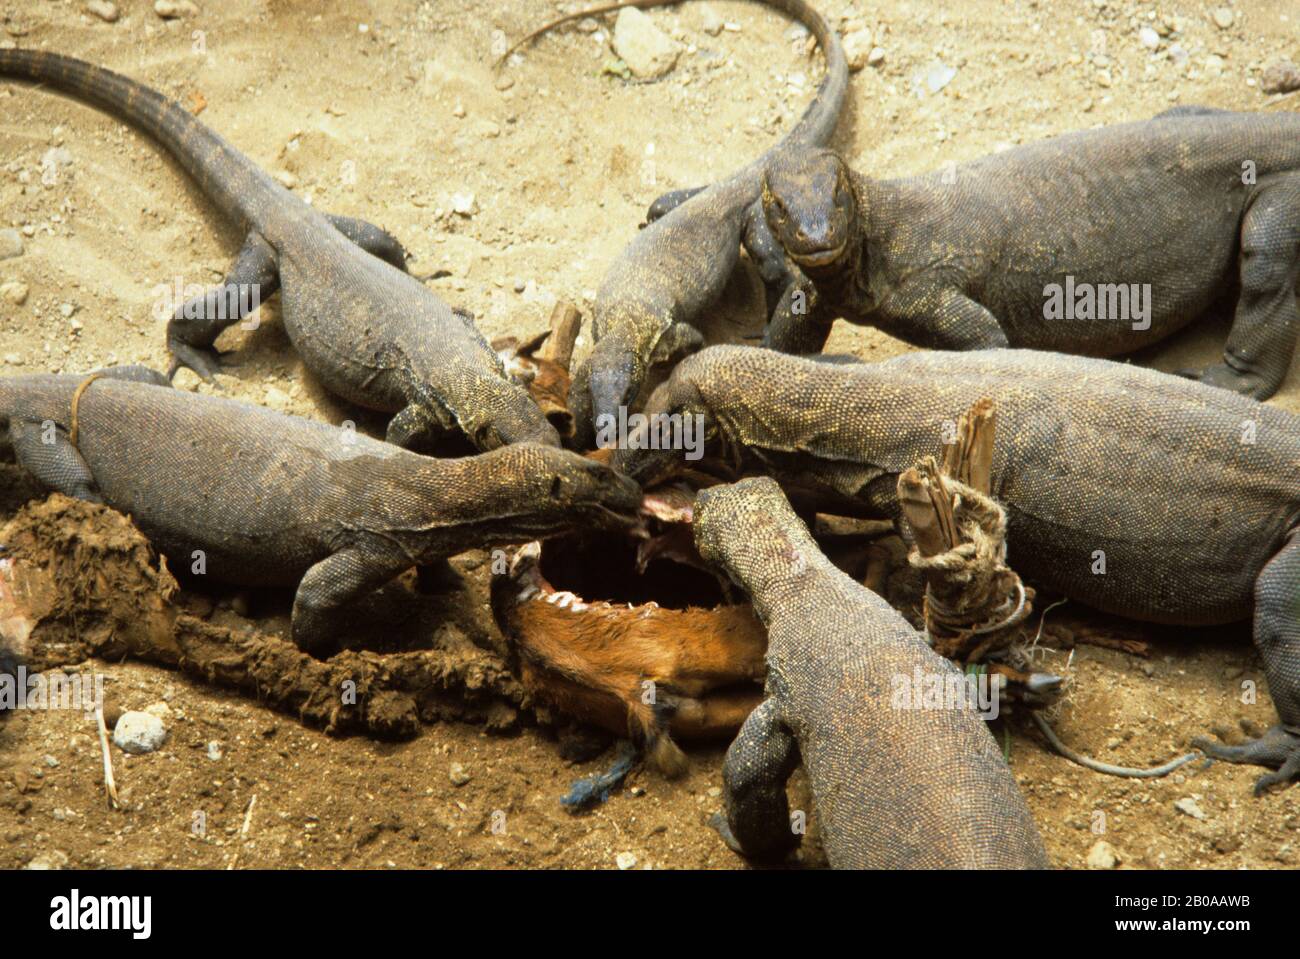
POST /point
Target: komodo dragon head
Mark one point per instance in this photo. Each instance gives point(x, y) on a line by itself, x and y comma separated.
point(530, 491)
point(748, 529)
point(812, 210)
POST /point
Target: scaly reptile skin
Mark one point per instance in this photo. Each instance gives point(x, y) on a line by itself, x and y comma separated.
point(373, 334)
point(1189, 495)
point(273, 500)
point(961, 258)
point(678, 266)
point(894, 787)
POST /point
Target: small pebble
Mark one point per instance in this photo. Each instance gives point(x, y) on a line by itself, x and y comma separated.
point(1280, 77)
point(1102, 856)
point(625, 860)
point(214, 751)
point(458, 774)
point(1188, 806)
point(138, 732)
point(174, 9)
point(857, 49)
point(1223, 18)
point(647, 50)
point(14, 292)
point(11, 244)
point(103, 9)
point(1148, 37)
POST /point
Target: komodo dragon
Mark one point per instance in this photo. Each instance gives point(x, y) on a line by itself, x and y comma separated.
point(1133, 491)
point(373, 334)
point(893, 787)
point(270, 499)
point(1098, 242)
point(678, 266)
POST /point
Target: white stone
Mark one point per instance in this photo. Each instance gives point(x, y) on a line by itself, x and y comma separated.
point(647, 50)
point(139, 732)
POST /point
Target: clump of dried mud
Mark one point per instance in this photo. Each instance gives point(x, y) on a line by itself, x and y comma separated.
point(91, 585)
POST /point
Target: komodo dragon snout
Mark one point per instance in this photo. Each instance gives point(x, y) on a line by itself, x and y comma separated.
point(555, 491)
point(811, 209)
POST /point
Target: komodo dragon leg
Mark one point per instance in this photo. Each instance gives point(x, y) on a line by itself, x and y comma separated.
point(197, 323)
point(669, 202)
point(1266, 324)
point(46, 450)
point(43, 449)
point(760, 760)
point(1277, 637)
point(334, 584)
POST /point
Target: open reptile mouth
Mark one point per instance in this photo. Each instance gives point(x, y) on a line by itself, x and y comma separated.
point(631, 632)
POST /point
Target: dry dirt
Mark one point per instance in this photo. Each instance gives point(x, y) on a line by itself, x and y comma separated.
point(385, 110)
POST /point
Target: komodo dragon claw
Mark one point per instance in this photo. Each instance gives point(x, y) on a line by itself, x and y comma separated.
point(207, 363)
point(1278, 748)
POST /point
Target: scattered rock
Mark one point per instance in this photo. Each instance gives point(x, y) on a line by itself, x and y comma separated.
point(458, 774)
point(159, 709)
point(287, 179)
point(1148, 37)
point(876, 57)
point(1102, 855)
point(55, 859)
point(464, 204)
point(857, 49)
point(214, 751)
point(625, 860)
point(13, 359)
point(1188, 806)
point(103, 9)
point(174, 9)
point(11, 244)
point(1280, 77)
point(1223, 18)
point(936, 76)
point(647, 50)
point(138, 732)
point(14, 292)
point(712, 23)
point(51, 761)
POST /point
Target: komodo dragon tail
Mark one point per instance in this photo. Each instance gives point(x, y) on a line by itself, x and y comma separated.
point(818, 121)
point(233, 182)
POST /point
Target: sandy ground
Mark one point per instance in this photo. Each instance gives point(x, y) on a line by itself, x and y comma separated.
point(388, 110)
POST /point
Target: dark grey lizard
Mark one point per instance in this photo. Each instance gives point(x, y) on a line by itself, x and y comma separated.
point(678, 266)
point(1098, 242)
point(895, 786)
point(373, 334)
point(1133, 491)
point(262, 498)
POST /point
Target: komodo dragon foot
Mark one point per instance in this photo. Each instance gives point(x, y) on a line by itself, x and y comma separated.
point(1225, 377)
point(1279, 749)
